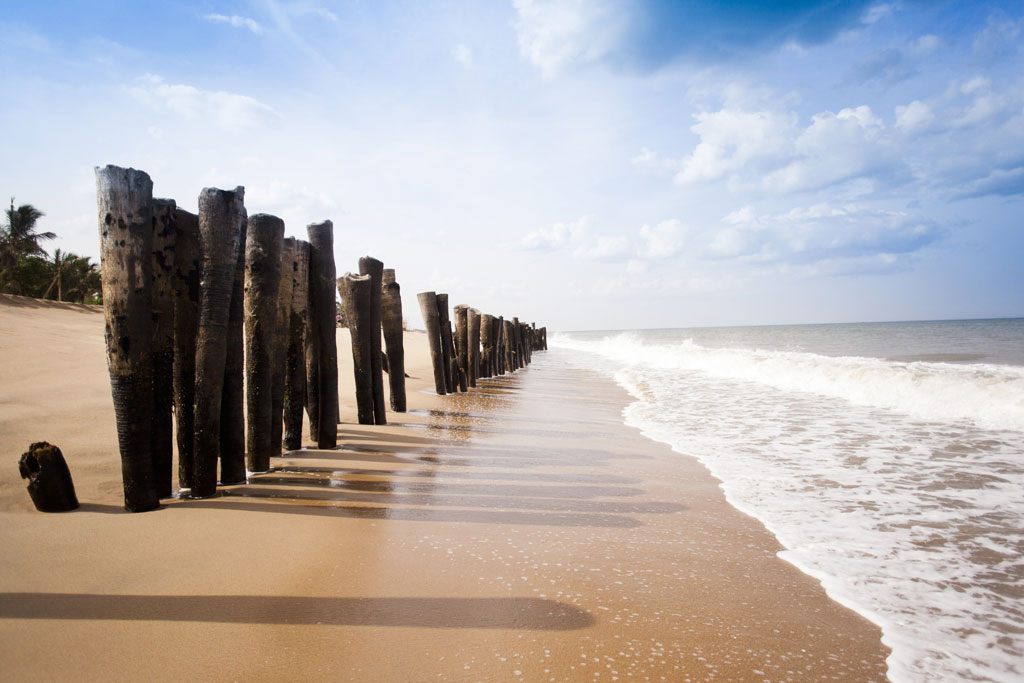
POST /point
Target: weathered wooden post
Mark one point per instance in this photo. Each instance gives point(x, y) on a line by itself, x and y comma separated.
point(487, 341)
point(263, 247)
point(124, 198)
point(544, 338)
point(391, 321)
point(232, 408)
point(186, 321)
point(221, 229)
point(282, 334)
point(462, 346)
point(375, 269)
point(432, 323)
point(322, 287)
point(357, 300)
point(508, 338)
point(164, 232)
point(474, 345)
point(499, 344)
point(447, 346)
point(49, 479)
point(312, 356)
point(295, 365)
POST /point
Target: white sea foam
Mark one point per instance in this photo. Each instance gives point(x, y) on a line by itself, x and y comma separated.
point(896, 484)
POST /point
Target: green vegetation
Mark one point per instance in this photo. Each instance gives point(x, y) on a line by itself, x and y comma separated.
point(27, 269)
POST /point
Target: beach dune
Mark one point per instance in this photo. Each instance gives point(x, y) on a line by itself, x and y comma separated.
point(517, 532)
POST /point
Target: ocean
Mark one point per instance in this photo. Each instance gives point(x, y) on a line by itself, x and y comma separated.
point(887, 458)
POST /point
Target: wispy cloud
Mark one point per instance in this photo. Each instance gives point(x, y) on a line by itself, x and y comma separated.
point(236, 21)
point(463, 55)
point(229, 110)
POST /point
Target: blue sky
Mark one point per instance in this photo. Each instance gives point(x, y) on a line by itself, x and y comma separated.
point(585, 165)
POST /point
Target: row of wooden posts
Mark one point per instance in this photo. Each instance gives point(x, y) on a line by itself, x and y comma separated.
point(206, 311)
point(457, 357)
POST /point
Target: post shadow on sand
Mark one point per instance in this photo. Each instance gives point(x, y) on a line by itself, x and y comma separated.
point(491, 613)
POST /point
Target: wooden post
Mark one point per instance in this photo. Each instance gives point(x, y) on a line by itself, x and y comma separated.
point(509, 341)
point(124, 198)
point(49, 479)
point(322, 287)
point(295, 366)
point(357, 299)
point(447, 347)
point(282, 336)
point(375, 269)
point(499, 344)
point(487, 341)
point(462, 345)
point(312, 355)
point(186, 321)
point(221, 226)
point(391, 321)
point(164, 232)
point(432, 323)
point(232, 407)
point(263, 248)
point(474, 346)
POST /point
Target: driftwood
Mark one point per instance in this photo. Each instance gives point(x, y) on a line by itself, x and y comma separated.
point(49, 479)
point(263, 246)
point(375, 270)
point(221, 225)
point(164, 233)
point(124, 199)
point(186, 321)
point(322, 284)
point(295, 366)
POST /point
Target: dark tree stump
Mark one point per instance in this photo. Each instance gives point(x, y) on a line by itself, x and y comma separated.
point(375, 269)
point(357, 299)
point(394, 339)
point(322, 287)
point(124, 198)
point(221, 226)
point(295, 365)
point(428, 307)
point(263, 246)
point(49, 479)
point(186, 322)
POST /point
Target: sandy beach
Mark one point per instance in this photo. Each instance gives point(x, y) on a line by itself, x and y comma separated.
point(518, 532)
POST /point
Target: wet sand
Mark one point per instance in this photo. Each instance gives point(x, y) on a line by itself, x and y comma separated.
point(520, 532)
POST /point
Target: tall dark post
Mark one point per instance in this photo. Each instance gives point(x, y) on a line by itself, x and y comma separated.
point(295, 365)
point(186, 321)
point(508, 339)
point(499, 344)
point(232, 407)
point(164, 232)
point(279, 354)
point(312, 356)
point(357, 299)
point(221, 226)
point(447, 347)
point(391, 321)
point(428, 307)
point(375, 269)
point(124, 198)
point(263, 247)
point(322, 284)
point(474, 346)
point(487, 341)
point(462, 345)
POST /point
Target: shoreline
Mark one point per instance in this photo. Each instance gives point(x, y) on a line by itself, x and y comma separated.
point(520, 531)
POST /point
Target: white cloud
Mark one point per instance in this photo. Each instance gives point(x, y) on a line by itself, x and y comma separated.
point(925, 45)
point(732, 140)
point(1000, 31)
point(661, 241)
point(913, 116)
point(236, 21)
point(463, 55)
point(554, 34)
point(230, 110)
point(876, 13)
point(604, 248)
point(557, 236)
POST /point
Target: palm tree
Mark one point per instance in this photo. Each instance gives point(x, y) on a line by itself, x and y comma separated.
point(74, 277)
point(18, 237)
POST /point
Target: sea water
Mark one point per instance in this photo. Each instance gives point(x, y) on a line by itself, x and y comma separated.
point(888, 459)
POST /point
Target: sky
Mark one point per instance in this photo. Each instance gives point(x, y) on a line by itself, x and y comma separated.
point(610, 164)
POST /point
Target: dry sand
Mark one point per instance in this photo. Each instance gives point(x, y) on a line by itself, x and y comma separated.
point(520, 532)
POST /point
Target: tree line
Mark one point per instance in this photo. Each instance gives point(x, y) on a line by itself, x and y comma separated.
point(29, 270)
